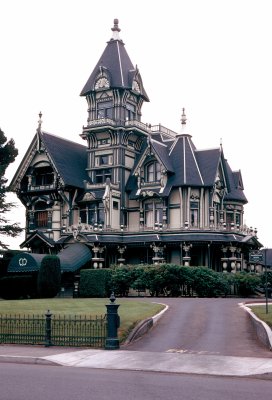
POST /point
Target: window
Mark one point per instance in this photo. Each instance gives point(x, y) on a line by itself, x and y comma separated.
point(92, 213)
point(43, 176)
point(153, 172)
point(130, 112)
point(238, 219)
point(115, 205)
point(100, 213)
point(102, 174)
point(105, 159)
point(103, 142)
point(41, 215)
point(194, 213)
point(153, 213)
point(104, 110)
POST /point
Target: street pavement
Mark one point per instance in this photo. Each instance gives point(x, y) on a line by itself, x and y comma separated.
point(175, 362)
point(172, 361)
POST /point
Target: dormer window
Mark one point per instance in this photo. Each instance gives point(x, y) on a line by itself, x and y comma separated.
point(136, 86)
point(152, 172)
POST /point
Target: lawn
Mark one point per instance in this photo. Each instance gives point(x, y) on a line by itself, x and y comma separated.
point(260, 312)
point(131, 311)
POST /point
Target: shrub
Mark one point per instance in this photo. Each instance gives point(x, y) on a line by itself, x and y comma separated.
point(94, 283)
point(208, 283)
point(246, 283)
point(122, 280)
point(18, 287)
point(49, 277)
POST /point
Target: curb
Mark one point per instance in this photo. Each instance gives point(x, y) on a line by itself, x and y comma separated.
point(144, 326)
point(26, 360)
point(263, 331)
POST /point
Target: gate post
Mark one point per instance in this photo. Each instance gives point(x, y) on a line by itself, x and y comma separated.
point(113, 319)
point(48, 320)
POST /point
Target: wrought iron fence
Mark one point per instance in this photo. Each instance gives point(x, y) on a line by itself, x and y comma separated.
point(49, 330)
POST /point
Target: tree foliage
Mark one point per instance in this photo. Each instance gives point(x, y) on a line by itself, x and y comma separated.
point(8, 153)
point(49, 277)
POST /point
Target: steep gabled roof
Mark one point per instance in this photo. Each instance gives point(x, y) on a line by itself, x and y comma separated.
point(187, 171)
point(115, 62)
point(236, 189)
point(208, 161)
point(162, 151)
point(69, 158)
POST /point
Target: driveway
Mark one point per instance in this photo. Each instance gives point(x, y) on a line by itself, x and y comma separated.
point(203, 326)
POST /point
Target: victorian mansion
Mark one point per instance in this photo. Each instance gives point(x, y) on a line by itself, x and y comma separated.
point(132, 192)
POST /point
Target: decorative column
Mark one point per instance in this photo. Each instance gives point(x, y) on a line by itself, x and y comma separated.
point(186, 259)
point(31, 225)
point(121, 260)
point(97, 259)
point(224, 260)
point(211, 217)
point(238, 259)
point(233, 259)
point(141, 218)
point(158, 250)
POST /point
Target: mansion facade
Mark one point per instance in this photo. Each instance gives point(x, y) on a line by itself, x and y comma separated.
point(132, 192)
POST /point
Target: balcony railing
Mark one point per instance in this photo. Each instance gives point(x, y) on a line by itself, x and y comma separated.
point(100, 228)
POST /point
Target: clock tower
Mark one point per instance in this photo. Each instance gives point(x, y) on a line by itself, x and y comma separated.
point(114, 132)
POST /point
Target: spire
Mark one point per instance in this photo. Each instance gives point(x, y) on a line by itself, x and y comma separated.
point(39, 130)
point(115, 30)
point(221, 145)
point(183, 123)
point(183, 117)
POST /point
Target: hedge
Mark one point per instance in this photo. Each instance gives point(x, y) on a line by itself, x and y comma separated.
point(94, 283)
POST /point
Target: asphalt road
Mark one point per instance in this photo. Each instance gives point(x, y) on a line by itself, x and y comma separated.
point(204, 326)
point(32, 382)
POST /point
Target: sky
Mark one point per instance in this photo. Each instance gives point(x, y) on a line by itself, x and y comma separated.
point(212, 57)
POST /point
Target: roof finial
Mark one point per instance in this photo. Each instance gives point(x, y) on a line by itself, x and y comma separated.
point(39, 122)
point(183, 117)
point(116, 30)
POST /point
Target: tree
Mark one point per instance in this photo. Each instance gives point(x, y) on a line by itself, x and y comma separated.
point(49, 277)
point(8, 153)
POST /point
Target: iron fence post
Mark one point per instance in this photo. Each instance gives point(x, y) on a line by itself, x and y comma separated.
point(48, 321)
point(113, 319)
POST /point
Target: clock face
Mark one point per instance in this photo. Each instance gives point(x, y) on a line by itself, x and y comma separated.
point(102, 83)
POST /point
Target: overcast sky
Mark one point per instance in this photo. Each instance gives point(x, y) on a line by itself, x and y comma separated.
point(212, 57)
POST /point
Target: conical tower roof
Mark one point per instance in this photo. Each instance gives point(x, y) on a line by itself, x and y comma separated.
point(116, 64)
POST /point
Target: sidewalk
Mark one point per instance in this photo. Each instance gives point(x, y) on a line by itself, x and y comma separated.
point(138, 361)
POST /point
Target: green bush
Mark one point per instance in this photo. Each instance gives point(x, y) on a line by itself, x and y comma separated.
point(245, 283)
point(209, 283)
point(122, 279)
point(95, 283)
point(49, 277)
point(18, 287)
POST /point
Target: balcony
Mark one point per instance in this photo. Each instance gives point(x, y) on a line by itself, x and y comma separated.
point(158, 228)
